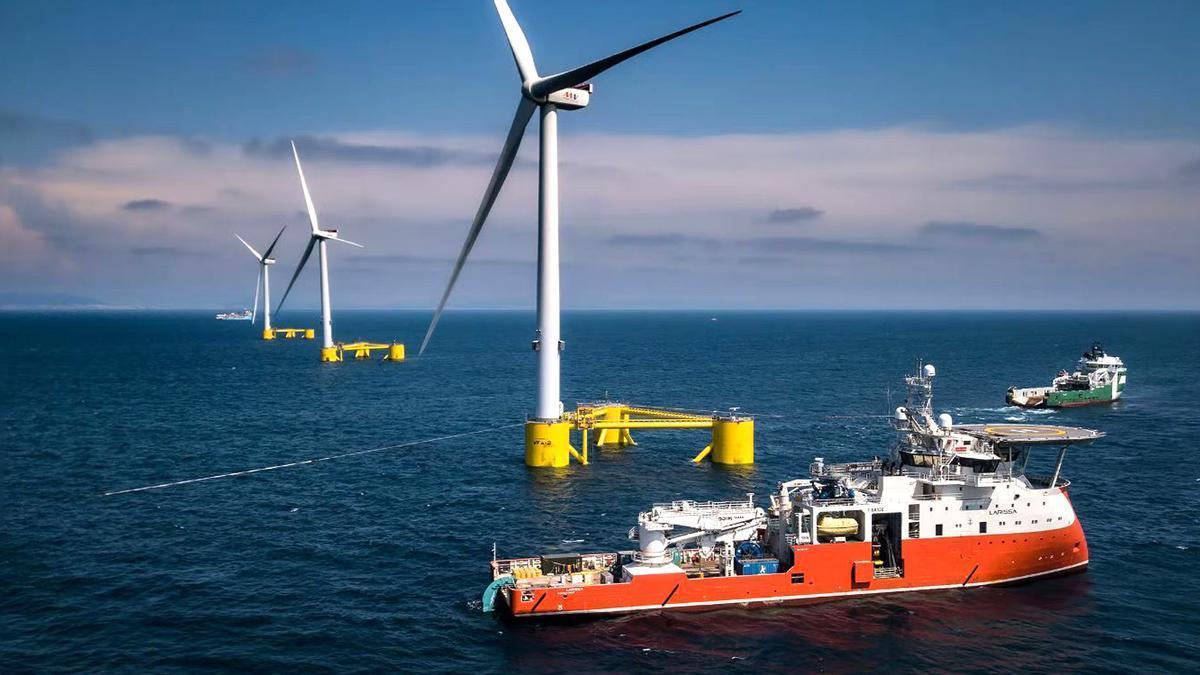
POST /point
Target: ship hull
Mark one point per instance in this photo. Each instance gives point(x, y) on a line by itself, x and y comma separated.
point(827, 572)
point(1050, 397)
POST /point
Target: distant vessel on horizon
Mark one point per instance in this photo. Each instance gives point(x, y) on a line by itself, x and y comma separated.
point(244, 315)
point(1098, 378)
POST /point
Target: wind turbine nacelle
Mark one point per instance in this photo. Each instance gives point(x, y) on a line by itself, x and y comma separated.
point(571, 98)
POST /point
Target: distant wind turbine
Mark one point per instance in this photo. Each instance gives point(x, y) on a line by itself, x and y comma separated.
point(567, 90)
point(264, 280)
point(317, 238)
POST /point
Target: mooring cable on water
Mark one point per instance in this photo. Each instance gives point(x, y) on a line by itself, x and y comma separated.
point(314, 460)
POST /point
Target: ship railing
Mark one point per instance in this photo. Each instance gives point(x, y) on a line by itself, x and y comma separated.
point(506, 565)
point(823, 469)
point(595, 560)
point(941, 472)
point(704, 506)
point(835, 501)
point(955, 497)
point(1000, 475)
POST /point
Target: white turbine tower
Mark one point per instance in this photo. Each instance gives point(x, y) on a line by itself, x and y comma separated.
point(545, 435)
point(318, 239)
point(264, 279)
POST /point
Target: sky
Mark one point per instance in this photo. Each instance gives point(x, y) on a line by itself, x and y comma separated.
point(800, 155)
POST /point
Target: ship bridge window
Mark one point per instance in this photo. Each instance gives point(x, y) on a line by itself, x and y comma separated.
point(979, 465)
point(916, 459)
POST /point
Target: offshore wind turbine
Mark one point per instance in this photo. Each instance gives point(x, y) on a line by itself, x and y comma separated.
point(264, 280)
point(568, 90)
point(318, 239)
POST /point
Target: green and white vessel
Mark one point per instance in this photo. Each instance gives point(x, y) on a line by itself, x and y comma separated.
point(1099, 378)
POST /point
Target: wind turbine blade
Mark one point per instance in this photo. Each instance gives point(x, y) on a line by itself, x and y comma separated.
point(521, 52)
point(303, 259)
point(256, 255)
point(511, 144)
point(582, 74)
point(272, 246)
point(346, 241)
point(312, 210)
point(257, 284)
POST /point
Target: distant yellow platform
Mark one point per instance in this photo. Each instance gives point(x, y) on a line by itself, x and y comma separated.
point(290, 333)
point(363, 350)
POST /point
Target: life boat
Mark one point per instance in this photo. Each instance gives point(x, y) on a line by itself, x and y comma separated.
point(837, 526)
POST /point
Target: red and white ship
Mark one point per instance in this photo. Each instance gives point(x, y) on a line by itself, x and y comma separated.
point(953, 507)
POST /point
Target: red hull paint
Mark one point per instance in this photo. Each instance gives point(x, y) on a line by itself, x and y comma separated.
point(829, 572)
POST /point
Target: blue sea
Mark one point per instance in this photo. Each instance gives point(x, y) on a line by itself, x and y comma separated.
point(376, 562)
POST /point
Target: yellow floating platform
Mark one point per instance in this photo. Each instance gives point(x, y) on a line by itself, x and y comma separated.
point(548, 444)
point(290, 333)
point(363, 350)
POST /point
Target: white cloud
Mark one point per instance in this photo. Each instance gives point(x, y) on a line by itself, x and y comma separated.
point(1085, 195)
point(23, 250)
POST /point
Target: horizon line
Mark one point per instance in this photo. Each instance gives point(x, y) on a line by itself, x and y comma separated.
point(129, 308)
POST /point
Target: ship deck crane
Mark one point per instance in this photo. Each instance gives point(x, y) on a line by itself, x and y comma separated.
point(709, 523)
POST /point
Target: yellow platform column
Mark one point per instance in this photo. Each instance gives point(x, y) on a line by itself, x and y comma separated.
point(310, 334)
point(626, 437)
point(732, 440)
point(331, 354)
point(395, 352)
point(268, 334)
point(547, 443)
point(608, 437)
point(613, 437)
